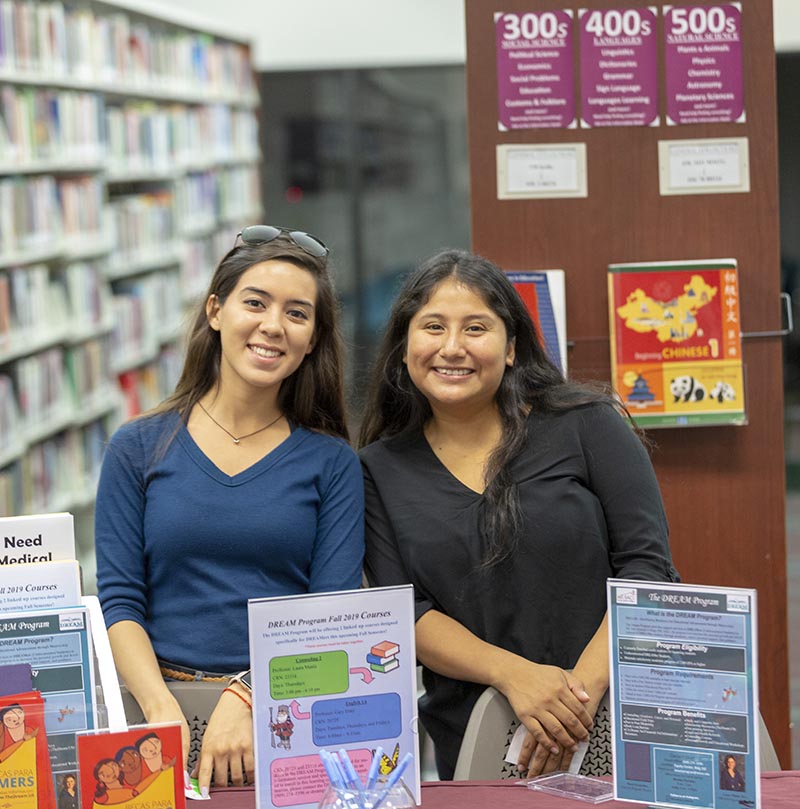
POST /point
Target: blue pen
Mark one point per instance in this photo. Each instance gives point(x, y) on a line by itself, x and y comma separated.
point(331, 769)
point(350, 771)
point(353, 800)
point(394, 777)
point(372, 775)
point(340, 769)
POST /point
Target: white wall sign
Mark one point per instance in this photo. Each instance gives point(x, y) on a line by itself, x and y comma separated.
point(541, 171)
point(719, 166)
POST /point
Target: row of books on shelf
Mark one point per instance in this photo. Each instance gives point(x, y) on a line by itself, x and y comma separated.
point(200, 257)
point(42, 215)
point(58, 473)
point(143, 388)
point(65, 410)
point(146, 227)
point(43, 393)
point(37, 213)
point(76, 127)
point(141, 221)
point(147, 136)
point(239, 193)
point(100, 44)
point(41, 307)
point(50, 125)
point(147, 313)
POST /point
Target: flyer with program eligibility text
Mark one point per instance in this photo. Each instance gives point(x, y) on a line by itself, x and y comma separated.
point(684, 695)
point(331, 671)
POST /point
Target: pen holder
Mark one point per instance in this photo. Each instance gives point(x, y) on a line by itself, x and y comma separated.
point(397, 797)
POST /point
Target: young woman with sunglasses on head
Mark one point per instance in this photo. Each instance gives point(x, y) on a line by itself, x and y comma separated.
point(507, 496)
point(240, 485)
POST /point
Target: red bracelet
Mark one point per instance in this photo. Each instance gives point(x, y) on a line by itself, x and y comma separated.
point(237, 694)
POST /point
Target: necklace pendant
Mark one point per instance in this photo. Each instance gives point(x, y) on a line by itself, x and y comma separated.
point(236, 440)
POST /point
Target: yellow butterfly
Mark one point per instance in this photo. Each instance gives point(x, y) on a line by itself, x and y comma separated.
point(388, 764)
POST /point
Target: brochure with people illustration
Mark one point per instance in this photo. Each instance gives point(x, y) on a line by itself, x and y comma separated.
point(26, 780)
point(140, 768)
point(684, 695)
point(676, 351)
point(335, 671)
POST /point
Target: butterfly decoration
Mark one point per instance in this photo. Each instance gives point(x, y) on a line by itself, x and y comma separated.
point(388, 764)
point(64, 712)
point(727, 693)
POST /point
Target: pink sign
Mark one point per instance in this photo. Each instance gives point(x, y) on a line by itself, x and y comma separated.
point(619, 67)
point(300, 780)
point(703, 50)
point(535, 75)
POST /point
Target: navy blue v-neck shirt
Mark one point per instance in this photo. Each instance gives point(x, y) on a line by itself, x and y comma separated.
point(181, 546)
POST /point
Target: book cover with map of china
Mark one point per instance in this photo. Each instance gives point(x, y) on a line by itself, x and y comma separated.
point(676, 352)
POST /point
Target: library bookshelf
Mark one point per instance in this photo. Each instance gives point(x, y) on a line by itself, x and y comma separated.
point(129, 159)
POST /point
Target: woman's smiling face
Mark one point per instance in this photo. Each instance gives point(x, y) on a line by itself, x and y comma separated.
point(266, 324)
point(457, 348)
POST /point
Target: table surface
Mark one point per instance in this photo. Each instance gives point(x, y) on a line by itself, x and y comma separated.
point(779, 790)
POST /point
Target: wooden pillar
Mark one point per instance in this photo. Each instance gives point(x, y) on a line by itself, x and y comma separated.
point(724, 487)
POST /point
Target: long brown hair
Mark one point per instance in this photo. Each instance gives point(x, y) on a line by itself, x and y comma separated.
point(533, 383)
point(313, 396)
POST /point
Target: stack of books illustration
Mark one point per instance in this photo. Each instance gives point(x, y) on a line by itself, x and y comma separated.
point(382, 656)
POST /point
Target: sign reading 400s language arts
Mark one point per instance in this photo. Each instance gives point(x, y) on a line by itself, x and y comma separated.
point(684, 695)
point(535, 74)
point(331, 671)
point(703, 53)
point(619, 71)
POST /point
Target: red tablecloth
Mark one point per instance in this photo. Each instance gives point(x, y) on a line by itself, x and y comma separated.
point(779, 790)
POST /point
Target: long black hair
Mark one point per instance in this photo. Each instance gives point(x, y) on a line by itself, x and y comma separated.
point(533, 383)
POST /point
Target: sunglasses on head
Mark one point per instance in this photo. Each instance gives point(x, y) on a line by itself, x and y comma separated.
point(261, 234)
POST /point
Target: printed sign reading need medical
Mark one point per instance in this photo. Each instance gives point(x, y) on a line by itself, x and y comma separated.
point(535, 75)
point(703, 53)
point(684, 695)
point(619, 70)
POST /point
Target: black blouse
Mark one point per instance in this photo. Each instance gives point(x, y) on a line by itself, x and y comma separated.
point(591, 510)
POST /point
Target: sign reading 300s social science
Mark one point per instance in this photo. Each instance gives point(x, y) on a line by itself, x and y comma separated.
point(703, 54)
point(619, 70)
point(535, 74)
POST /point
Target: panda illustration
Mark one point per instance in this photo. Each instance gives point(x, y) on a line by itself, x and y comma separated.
point(723, 392)
point(687, 389)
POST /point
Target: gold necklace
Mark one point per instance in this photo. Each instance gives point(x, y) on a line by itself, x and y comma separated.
point(241, 437)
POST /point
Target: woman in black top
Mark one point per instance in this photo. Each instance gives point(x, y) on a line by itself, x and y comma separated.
point(507, 496)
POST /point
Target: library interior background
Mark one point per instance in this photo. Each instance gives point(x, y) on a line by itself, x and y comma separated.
point(124, 179)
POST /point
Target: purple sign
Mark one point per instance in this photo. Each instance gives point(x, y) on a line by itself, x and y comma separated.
point(535, 76)
point(703, 49)
point(619, 67)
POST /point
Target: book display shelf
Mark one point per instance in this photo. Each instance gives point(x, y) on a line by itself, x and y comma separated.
point(128, 161)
